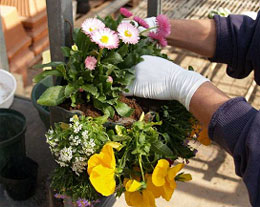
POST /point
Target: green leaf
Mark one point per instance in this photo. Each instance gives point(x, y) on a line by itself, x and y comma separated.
point(69, 89)
point(113, 58)
point(123, 110)
point(123, 50)
point(120, 130)
point(46, 73)
point(53, 96)
point(109, 111)
point(101, 119)
point(65, 51)
point(51, 64)
point(90, 89)
point(162, 149)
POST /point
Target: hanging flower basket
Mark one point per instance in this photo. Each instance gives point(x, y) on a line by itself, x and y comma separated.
point(105, 143)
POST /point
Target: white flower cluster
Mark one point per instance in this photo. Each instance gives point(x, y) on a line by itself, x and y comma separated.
point(72, 151)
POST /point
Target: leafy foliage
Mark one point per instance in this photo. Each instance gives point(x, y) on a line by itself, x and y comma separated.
point(91, 86)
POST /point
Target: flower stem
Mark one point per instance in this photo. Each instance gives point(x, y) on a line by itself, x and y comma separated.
point(99, 55)
point(147, 30)
point(141, 167)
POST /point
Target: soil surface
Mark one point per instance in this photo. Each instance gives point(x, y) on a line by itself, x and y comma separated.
point(89, 110)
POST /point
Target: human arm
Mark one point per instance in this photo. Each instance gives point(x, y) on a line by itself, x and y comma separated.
point(198, 36)
point(233, 40)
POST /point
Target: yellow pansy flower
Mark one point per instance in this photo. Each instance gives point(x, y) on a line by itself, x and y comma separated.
point(132, 185)
point(101, 170)
point(201, 133)
point(164, 177)
point(136, 198)
point(144, 198)
point(157, 191)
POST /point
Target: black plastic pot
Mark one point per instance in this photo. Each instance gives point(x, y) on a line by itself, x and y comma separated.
point(12, 135)
point(19, 177)
point(83, 6)
point(59, 114)
point(37, 91)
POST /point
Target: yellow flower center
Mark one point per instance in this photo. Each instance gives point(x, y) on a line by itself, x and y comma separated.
point(128, 34)
point(104, 39)
point(90, 29)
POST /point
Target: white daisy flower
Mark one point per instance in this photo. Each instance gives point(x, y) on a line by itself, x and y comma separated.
point(105, 38)
point(92, 24)
point(128, 33)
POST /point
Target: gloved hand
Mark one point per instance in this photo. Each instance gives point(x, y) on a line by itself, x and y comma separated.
point(158, 78)
point(151, 21)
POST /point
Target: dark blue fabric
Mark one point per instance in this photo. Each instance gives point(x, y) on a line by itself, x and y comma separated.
point(236, 125)
point(238, 45)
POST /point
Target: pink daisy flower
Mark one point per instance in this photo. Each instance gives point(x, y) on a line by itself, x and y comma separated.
point(110, 79)
point(90, 63)
point(125, 12)
point(161, 39)
point(128, 33)
point(105, 38)
point(164, 26)
point(92, 24)
point(141, 22)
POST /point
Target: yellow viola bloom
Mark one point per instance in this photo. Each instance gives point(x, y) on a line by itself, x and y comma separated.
point(101, 170)
point(132, 185)
point(144, 198)
point(103, 180)
point(160, 172)
point(157, 191)
point(201, 134)
point(163, 178)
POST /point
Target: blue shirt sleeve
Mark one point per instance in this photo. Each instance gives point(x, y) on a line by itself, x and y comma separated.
point(236, 127)
point(238, 45)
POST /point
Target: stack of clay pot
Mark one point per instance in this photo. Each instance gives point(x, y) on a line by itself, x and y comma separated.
point(17, 42)
point(33, 16)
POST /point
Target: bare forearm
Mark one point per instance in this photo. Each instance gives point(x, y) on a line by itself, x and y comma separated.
point(205, 102)
point(198, 36)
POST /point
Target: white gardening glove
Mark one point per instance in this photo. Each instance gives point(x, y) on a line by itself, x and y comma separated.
point(151, 21)
point(158, 78)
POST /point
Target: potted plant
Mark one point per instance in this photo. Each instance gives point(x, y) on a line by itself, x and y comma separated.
point(114, 144)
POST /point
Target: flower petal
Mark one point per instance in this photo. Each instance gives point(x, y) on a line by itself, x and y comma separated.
point(105, 158)
point(173, 171)
point(103, 180)
point(168, 190)
point(132, 185)
point(157, 191)
point(160, 172)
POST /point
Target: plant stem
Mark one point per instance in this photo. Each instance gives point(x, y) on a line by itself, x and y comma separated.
point(99, 55)
point(147, 30)
point(141, 167)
